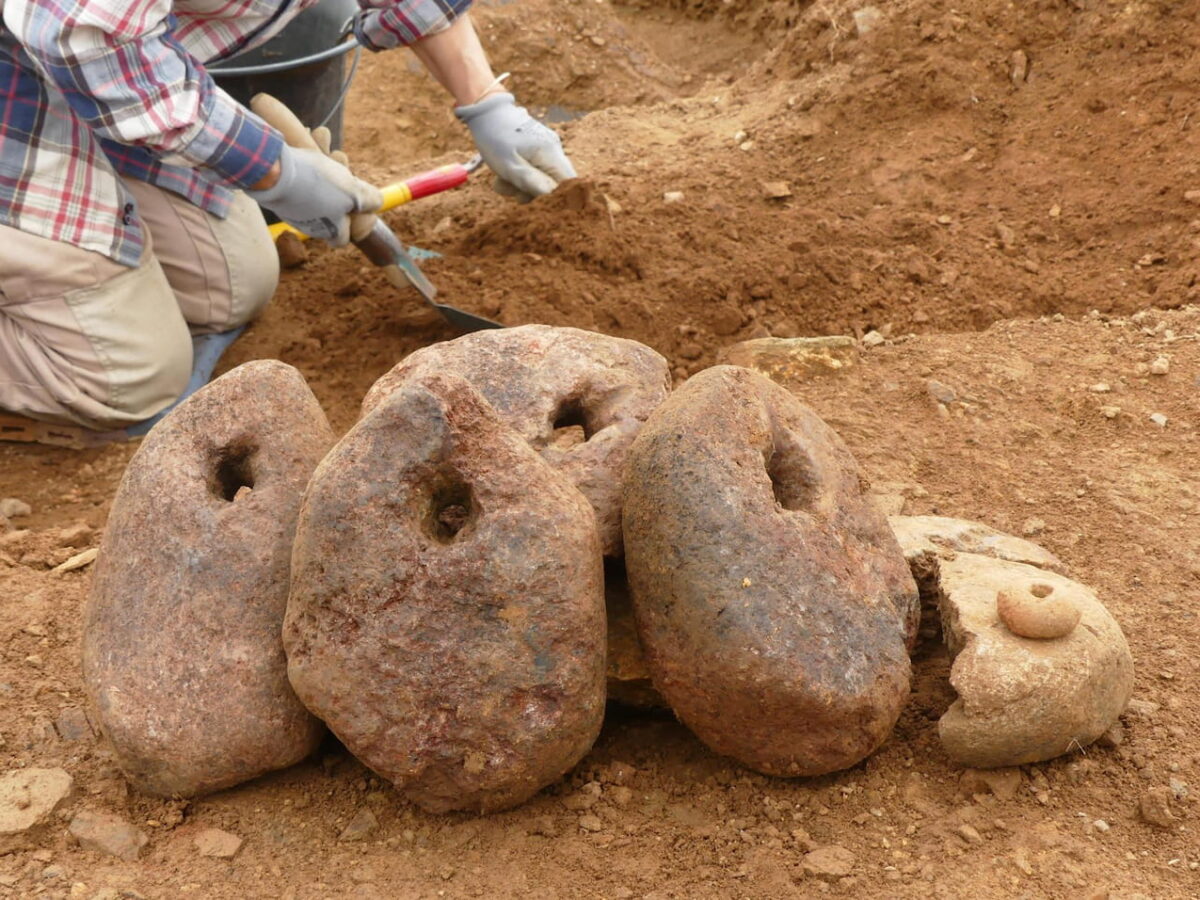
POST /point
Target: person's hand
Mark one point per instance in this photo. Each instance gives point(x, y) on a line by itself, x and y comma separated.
point(317, 194)
point(526, 156)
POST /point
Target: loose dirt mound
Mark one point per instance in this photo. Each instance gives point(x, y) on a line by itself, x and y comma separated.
point(572, 226)
point(946, 167)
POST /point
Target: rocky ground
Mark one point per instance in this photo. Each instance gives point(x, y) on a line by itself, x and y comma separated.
point(998, 198)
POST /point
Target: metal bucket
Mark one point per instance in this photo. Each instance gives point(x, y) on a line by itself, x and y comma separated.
point(303, 66)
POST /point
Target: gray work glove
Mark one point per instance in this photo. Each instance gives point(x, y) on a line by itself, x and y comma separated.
point(317, 194)
point(526, 156)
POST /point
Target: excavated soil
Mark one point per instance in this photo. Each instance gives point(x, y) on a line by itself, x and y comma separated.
point(999, 189)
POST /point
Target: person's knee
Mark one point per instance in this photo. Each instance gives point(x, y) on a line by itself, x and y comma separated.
point(141, 342)
point(252, 259)
point(152, 377)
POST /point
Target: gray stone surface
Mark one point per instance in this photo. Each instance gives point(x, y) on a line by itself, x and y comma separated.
point(182, 657)
point(579, 399)
point(108, 834)
point(27, 799)
point(447, 610)
point(772, 601)
point(1022, 700)
point(926, 536)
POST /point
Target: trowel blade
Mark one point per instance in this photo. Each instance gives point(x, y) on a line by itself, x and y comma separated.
point(384, 249)
point(385, 239)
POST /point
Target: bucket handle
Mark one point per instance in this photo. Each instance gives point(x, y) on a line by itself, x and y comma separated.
point(341, 47)
point(341, 97)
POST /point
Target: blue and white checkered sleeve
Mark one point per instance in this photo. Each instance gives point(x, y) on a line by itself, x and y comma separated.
point(383, 24)
point(125, 75)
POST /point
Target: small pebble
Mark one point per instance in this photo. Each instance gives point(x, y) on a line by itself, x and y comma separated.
point(942, 393)
point(1143, 709)
point(217, 843)
point(1160, 366)
point(12, 508)
point(1155, 807)
point(1159, 419)
point(584, 798)
point(1113, 737)
point(108, 834)
point(78, 561)
point(873, 339)
point(970, 834)
point(362, 826)
point(1019, 67)
point(619, 796)
point(673, 197)
point(866, 19)
point(72, 725)
point(544, 826)
point(1110, 412)
point(291, 250)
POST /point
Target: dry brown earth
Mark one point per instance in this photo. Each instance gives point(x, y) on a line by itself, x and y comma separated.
point(930, 193)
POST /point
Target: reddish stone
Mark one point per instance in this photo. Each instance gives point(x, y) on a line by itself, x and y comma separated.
point(577, 397)
point(182, 658)
point(772, 600)
point(447, 609)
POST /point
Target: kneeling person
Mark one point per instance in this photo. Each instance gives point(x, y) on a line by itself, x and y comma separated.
point(130, 186)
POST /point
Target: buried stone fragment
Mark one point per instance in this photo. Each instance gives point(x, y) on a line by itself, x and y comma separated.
point(924, 537)
point(772, 601)
point(577, 397)
point(628, 676)
point(1026, 699)
point(447, 610)
point(182, 658)
point(1040, 666)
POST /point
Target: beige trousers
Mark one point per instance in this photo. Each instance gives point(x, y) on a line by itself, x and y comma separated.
point(85, 340)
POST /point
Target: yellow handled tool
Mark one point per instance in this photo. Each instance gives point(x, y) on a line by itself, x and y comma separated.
point(398, 193)
point(367, 231)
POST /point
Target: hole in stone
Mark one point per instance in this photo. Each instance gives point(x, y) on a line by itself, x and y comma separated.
point(570, 425)
point(451, 508)
point(571, 414)
point(783, 496)
point(793, 481)
point(1041, 591)
point(233, 470)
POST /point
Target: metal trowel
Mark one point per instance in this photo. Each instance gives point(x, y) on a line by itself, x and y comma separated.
point(368, 232)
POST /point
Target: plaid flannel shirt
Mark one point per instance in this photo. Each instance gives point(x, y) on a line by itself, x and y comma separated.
point(91, 90)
